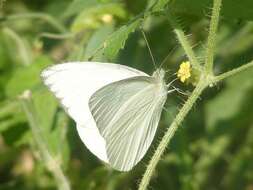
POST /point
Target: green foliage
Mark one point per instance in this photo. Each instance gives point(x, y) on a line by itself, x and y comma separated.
point(26, 77)
point(94, 16)
point(78, 6)
point(96, 40)
point(160, 5)
point(237, 89)
point(118, 39)
point(212, 150)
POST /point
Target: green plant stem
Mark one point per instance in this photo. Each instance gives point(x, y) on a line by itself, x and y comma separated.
point(170, 133)
point(184, 41)
point(56, 36)
point(203, 83)
point(51, 164)
point(56, 24)
point(206, 79)
point(212, 36)
point(232, 72)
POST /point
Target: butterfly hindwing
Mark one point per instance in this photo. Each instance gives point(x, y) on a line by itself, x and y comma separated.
point(127, 113)
point(74, 83)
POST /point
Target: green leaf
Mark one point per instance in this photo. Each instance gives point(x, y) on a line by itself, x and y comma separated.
point(94, 17)
point(13, 124)
point(118, 39)
point(12, 119)
point(16, 135)
point(98, 37)
point(59, 144)
point(4, 53)
point(27, 77)
point(230, 99)
point(53, 124)
point(77, 6)
point(160, 5)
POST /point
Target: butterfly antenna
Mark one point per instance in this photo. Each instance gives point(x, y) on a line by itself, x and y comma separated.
point(165, 59)
point(149, 49)
point(171, 82)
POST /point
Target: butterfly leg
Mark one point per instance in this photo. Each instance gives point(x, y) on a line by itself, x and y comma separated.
point(178, 90)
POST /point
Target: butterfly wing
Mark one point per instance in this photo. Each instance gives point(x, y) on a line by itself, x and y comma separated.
point(74, 83)
point(127, 113)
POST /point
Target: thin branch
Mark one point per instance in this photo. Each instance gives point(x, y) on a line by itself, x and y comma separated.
point(48, 18)
point(212, 36)
point(232, 72)
point(184, 41)
point(170, 133)
point(56, 36)
point(51, 164)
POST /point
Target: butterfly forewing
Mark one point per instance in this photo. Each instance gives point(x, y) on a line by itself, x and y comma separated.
point(127, 113)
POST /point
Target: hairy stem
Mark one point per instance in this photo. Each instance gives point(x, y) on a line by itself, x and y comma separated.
point(50, 162)
point(212, 36)
point(203, 83)
point(170, 133)
point(232, 72)
point(206, 80)
point(184, 41)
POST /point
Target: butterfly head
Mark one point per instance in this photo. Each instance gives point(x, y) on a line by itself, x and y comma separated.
point(159, 74)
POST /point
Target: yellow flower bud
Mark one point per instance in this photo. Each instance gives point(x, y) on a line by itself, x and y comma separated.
point(184, 71)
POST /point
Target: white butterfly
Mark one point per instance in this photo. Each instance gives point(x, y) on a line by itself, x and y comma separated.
point(116, 108)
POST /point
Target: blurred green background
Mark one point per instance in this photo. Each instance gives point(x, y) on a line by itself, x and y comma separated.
point(213, 149)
